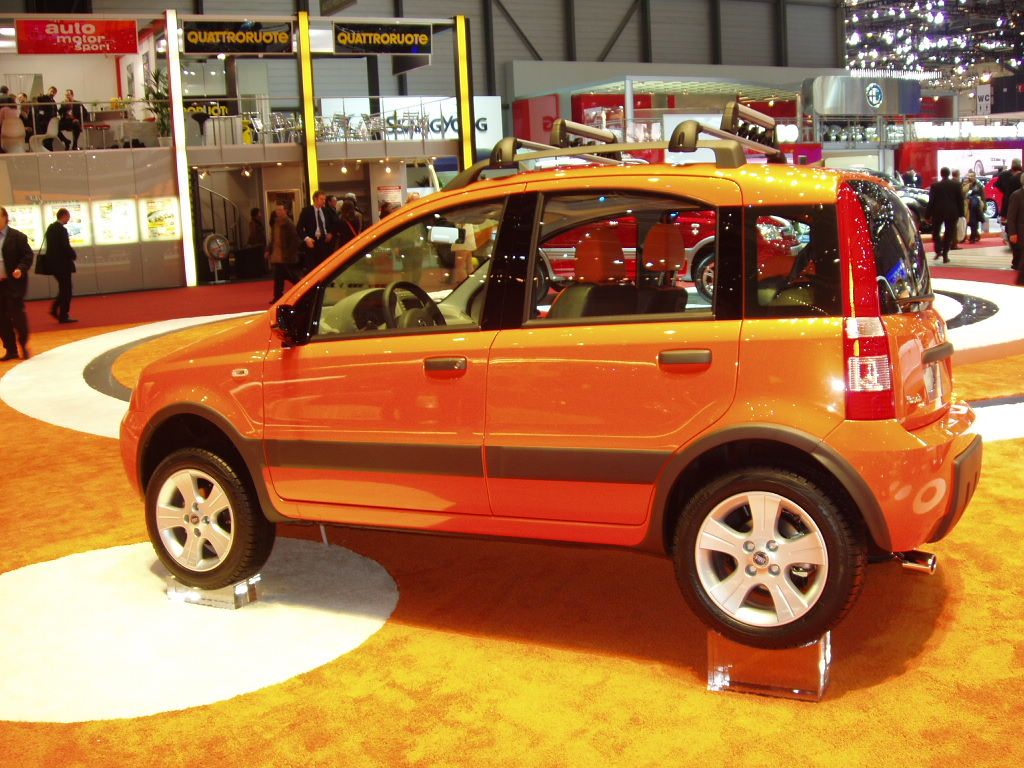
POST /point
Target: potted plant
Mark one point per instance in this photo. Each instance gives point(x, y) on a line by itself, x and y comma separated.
point(159, 103)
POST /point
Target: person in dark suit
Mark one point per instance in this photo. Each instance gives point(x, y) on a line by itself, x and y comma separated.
point(73, 117)
point(14, 266)
point(945, 206)
point(1015, 232)
point(60, 262)
point(46, 110)
point(316, 226)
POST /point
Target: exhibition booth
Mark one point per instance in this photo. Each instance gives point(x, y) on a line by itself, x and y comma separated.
point(193, 135)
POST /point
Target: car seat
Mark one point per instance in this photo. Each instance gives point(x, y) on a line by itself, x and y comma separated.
point(598, 288)
point(664, 255)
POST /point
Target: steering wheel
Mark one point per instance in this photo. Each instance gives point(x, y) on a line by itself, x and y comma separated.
point(425, 315)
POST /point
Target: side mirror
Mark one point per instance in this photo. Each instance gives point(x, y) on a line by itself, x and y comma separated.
point(446, 235)
point(291, 326)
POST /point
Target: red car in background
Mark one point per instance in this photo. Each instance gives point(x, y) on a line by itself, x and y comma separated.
point(776, 239)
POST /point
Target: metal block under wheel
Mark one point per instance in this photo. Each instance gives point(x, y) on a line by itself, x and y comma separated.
point(232, 596)
point(788, 673)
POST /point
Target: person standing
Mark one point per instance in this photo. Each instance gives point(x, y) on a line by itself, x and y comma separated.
point(14, 266)
point(257, 233)
point(315, 227)
point(351, 196)
point(974, 193)
point(348, 223)
point(283, 250)
point(945, 206)
point(45, 111)
point(60, 261)
point(1015, 231)
point(1008, 182)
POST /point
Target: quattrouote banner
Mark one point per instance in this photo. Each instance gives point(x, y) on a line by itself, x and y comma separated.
point(241, 37)
point(374, 39)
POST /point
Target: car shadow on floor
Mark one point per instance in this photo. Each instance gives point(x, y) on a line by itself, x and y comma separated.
point(617, 602)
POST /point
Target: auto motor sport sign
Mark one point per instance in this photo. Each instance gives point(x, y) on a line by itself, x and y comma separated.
point(117, 36)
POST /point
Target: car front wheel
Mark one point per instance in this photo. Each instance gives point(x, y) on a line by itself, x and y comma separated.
point(765, 558)
point(204, 522)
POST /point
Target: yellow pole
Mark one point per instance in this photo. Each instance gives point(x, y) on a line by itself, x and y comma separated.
point(178, 142)
point(464, 94)
point(308, 112)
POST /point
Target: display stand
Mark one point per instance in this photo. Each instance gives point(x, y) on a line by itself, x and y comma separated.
point(232, 596)
point(790, 673)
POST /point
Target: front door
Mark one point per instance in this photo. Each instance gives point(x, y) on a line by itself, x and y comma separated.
point(383, 408)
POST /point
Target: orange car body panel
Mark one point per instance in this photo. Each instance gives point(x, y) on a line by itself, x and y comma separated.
point(553, 390)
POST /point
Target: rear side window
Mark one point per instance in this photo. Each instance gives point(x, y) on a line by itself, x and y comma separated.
point(899, 254)
point(792, 261)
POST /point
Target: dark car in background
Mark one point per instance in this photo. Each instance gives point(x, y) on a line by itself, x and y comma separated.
point(915, 198)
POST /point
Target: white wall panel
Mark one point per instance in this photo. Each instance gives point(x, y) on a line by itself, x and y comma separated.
point(811, 36)
point(748, 32)
point(681, 31)
point(334, 78)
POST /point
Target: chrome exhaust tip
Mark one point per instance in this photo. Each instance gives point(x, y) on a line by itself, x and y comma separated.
point(916, 560)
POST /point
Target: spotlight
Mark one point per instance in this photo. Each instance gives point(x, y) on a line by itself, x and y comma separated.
point(247, 172)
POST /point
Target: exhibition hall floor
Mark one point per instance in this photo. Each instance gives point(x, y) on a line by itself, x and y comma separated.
point(394, 649)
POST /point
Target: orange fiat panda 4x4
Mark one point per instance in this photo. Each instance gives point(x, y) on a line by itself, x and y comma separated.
point(433, 375)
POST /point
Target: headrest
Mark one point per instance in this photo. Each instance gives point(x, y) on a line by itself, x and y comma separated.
point(599, 258)
point(664, 249)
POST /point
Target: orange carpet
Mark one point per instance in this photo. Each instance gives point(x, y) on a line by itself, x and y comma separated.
point(516, 654)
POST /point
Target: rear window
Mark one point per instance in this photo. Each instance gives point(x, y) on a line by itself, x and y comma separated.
point(899, 254)
point(792, 261)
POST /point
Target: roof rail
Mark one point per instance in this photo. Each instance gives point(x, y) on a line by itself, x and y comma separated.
point(742, 128)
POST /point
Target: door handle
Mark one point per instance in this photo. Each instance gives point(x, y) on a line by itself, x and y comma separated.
point(692, 358)
point(445, 367)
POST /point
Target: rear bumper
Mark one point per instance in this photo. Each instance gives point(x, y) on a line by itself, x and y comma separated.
point(966, 474)
point(921, 481)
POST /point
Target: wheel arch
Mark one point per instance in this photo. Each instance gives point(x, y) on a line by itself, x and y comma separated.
point(760, 444)
point(194, 426)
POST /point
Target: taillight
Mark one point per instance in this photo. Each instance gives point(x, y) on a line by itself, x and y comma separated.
point(869, 392)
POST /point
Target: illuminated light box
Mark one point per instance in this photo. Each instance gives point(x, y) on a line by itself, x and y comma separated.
point(27, 219)
point(159, 219)
point(79, 227)
point(114, 222)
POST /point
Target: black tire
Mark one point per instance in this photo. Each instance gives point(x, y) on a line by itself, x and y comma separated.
point(806, 515)
point(232, 523)
point(702, 279)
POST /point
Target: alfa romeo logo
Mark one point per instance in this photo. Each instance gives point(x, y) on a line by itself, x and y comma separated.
point(874, 94)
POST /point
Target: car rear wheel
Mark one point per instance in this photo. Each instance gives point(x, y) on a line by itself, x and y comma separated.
point(704, 273)
point(204, 522)
point(991, 209)
point(765, 558)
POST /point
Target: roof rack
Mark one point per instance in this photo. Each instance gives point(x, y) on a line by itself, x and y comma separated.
point(741, 128)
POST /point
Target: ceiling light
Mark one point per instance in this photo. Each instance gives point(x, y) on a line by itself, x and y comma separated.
point(7, 32)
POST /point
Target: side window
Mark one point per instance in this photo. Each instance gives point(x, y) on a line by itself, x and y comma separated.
point(619, 254)
point(431, 272)
point(792, 261)
point(899, 254)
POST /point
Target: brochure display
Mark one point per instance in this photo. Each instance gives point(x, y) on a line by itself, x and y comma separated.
point(114, 222)
point(27, 219)
point(158, 217)
point(79, 227)
point(788, 673)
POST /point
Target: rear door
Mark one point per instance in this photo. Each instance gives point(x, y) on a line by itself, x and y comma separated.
point(584, 410)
